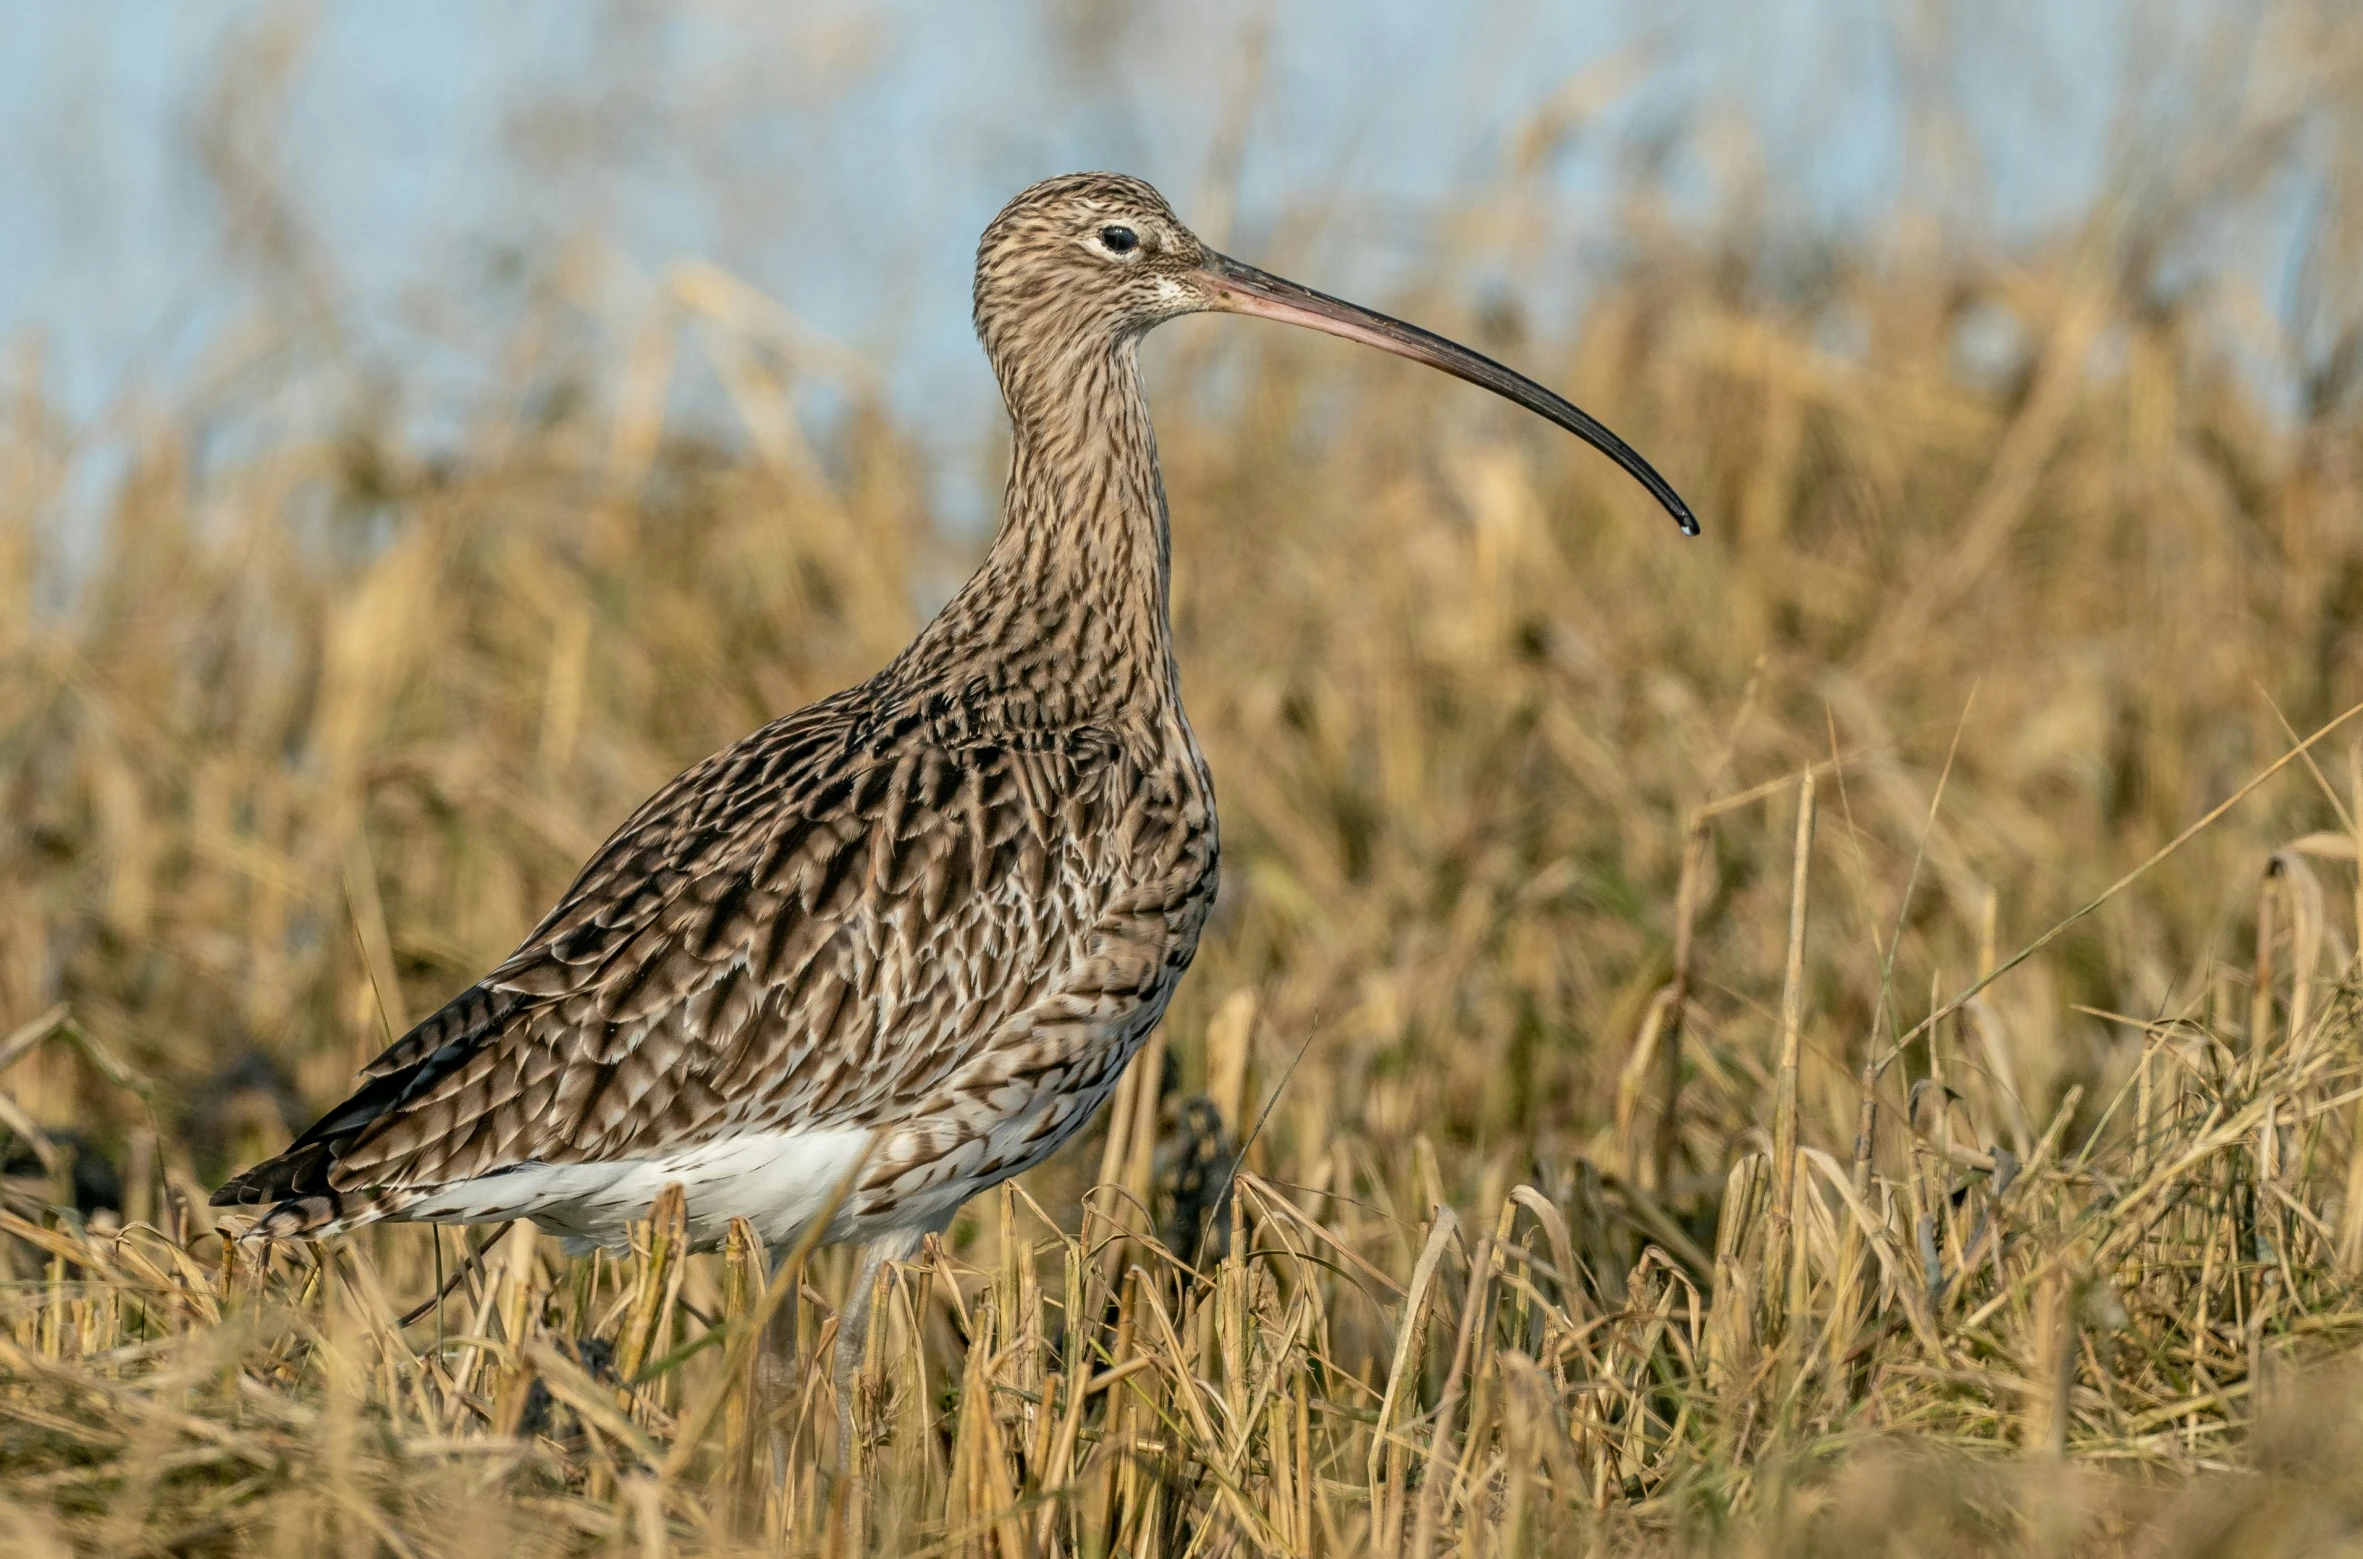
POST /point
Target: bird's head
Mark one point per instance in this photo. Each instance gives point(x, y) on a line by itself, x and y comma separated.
point(1079, 262)
point(1086, 261)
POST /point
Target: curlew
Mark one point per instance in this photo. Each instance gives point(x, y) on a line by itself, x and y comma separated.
point(911, 934)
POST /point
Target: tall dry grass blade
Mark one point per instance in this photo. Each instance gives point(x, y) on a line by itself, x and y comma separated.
point(1567, 1272)
point(1441, 1449)
point(1230, 1035)
point(1779, 1245)
point(1731, 1332)
point(2308, 931)
point(1383, 1469)
point(25, 1036)
point(2051, 1369)
point(1632, 1083)
point(1689, 890)
point(369, 932)
point(2260, 989)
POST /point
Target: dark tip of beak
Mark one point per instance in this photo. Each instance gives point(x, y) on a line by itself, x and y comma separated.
point(1242, 289)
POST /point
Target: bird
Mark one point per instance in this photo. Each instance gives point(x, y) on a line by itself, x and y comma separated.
point(897, 946)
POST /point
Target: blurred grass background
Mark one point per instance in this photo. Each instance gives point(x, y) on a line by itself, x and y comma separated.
point(322, 667)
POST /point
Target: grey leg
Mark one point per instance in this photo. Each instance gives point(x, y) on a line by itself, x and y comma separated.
point(853, 1317)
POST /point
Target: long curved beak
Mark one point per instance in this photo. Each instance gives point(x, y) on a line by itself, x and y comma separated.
point(1242, 289)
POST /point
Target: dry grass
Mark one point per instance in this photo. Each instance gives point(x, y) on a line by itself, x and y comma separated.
point(1529, 926)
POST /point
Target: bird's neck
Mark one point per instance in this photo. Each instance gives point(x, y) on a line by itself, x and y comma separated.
point(1065, 622)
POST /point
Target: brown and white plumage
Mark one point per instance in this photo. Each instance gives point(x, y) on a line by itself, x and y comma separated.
point(933, 915)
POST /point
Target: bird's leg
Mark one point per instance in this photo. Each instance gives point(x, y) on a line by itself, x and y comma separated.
point(853, 1321)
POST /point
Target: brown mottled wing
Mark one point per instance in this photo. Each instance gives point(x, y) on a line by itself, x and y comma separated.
point(821, 925)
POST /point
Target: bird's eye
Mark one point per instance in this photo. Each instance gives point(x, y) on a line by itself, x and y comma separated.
point(1119, 240)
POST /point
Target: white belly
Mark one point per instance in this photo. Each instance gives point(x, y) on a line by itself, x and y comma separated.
point(776, 1180)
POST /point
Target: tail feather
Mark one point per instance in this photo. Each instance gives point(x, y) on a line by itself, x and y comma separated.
point(299, 1201)
point(324, 1213)
point(300, 1170)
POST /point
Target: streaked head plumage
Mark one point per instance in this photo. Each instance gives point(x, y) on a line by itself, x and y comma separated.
point(1085, 254)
